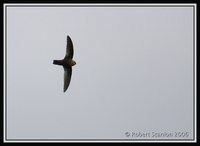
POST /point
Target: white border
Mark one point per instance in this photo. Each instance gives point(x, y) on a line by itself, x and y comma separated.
point(101, 4)
point(4, 71)
point(195, 75)
point(92, 141)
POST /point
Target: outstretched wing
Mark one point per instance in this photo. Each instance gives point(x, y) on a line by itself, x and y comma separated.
point(69, 49)
point(67, 77)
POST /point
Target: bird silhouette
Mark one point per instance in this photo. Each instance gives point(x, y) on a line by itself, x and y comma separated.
point(67, 63)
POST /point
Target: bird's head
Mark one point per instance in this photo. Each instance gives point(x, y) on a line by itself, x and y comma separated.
point(72, 62)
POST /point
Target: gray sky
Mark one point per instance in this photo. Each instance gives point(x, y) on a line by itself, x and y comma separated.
point(133, 71)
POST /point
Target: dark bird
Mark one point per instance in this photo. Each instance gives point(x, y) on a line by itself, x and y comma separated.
point(67, 63)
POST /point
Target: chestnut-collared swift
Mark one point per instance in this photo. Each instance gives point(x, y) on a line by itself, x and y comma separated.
point(67, 63)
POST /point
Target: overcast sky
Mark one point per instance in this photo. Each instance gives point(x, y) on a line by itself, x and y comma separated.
point(133, 72)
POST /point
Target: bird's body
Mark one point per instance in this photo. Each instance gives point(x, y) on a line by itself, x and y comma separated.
point(67, 63)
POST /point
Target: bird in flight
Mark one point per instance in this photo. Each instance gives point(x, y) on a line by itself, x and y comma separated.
point(67, 63)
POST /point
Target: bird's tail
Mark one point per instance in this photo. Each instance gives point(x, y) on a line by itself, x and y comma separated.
point(57, 62)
